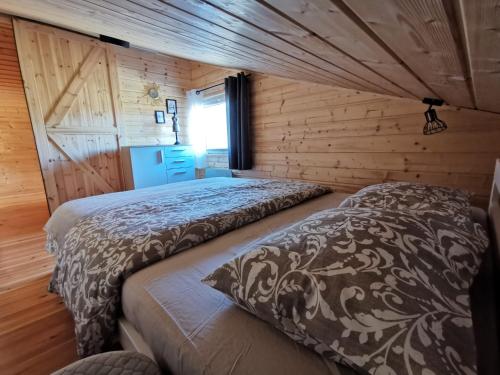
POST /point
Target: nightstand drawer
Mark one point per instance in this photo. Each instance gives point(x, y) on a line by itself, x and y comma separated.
point(175, 151)
point(180, 162)
point(180, 174)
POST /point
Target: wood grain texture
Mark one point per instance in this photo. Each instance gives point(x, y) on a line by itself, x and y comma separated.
point(23, 206)
point(36, 330)
point(249, 22)
point(68, 86)
point(481, 21)
point(298, 23)
point(203, 29)
point(421, 33)
point(132, 26)
point(138, 71)
point(407, 48)
point(61, 108)
point(23, 259)
point(350, 139)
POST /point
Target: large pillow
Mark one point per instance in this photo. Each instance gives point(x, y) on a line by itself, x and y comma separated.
point(453, 203)
point(433, 204)
point(369, 288)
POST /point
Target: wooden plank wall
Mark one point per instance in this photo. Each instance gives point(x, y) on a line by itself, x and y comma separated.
point(203, 75)
point(138, 71)
point(23, 206)
point(350, 139)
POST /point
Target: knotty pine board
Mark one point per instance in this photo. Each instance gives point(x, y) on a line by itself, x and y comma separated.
point(408, 48)
point(72, 101)
point(23, 206)
point(138, 70)
point(349, 139)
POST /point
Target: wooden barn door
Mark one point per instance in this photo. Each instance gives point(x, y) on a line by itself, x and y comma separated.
point(70, 86)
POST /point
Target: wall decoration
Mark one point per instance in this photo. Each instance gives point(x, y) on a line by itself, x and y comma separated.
point(176, 128)
point(171, 106)
point(160, 117)
point(152, 93)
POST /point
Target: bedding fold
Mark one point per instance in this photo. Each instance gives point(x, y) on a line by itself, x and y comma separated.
point(103, 245)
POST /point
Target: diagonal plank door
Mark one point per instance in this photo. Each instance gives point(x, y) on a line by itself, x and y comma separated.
point(73, 107)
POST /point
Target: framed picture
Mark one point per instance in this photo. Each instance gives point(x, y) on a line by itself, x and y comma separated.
point(171, 106)
point(160, 117)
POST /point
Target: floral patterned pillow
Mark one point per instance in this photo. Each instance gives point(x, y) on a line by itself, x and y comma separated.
point(416, 197)
point(374, 289)
point(444, 209)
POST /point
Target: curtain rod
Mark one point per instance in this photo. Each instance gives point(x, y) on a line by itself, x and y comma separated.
point(208, 88)
point(211, 87)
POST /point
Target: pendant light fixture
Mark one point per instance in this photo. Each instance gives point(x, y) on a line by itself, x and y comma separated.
point(432, 123)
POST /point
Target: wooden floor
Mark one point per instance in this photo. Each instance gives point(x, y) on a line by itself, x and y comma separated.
point(36, 330)
point(23, 260)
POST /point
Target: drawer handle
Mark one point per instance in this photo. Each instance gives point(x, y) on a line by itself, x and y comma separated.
point(178, 149)
point(177, 173)
point(178, 161)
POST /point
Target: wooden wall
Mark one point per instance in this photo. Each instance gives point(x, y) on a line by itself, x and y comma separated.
point(137, 72)
point(23, 206)
point(350, 139)
point(345, 138)
point(203, 75)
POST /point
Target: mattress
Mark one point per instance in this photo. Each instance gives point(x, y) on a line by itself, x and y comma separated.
point(193, 329)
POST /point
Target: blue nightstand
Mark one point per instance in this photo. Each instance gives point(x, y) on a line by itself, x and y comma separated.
point(157, 165)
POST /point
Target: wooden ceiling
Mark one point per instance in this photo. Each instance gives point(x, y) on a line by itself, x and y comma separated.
point(448, 49)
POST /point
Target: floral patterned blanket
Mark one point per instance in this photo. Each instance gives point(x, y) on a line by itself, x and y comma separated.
point(101, 250)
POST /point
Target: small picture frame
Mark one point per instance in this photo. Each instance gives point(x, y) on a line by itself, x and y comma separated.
point(171, 106)
point(160, 117)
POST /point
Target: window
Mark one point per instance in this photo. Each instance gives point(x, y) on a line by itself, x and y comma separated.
point(207, 125)
point(213, 115)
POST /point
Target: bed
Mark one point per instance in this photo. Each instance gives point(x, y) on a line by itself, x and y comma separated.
point(98, 242)
point(190, 329)
point(167, 313)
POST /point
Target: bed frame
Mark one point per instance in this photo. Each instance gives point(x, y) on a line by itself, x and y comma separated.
point(485, 292)
point(485, 297)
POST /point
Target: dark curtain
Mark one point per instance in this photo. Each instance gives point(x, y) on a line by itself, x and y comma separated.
point(237, 90)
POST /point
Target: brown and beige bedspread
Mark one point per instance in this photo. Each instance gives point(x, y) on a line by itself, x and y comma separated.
point(108, 243)
point(194, 330)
